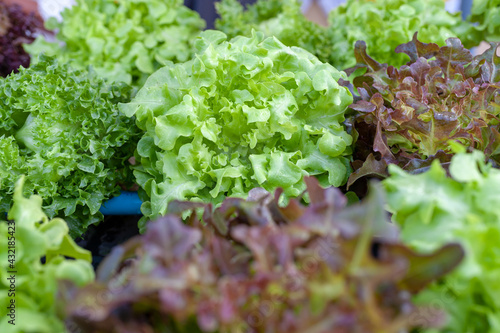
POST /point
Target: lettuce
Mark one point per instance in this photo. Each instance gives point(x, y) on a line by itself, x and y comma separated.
point(246, 113)
point(384, 24)
point(33, 237)
point(282, 19)
point(62, 129)
point(486, 15)
point(433, 209)
point(123, 40)
point(16, 27)
point(255, 266)
point(408, 116)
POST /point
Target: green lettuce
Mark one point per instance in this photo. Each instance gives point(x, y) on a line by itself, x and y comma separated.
point(123, 40)
point(246, 113)
point(384, 24)
point(486, 15)
point(61, 128)
point(433, 209)
point(25, 239)
point(282, 19)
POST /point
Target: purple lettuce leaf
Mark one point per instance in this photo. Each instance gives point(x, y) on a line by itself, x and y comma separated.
point(16, 28)
point(254, 266)
point(408, 116)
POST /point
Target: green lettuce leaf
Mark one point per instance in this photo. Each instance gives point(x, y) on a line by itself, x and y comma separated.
point(123, 40)
point(485, 14)
point(61, 128)
point(433, 209)
point(246, 113)
point(31, 236)
point(384, 24)
point(282, 19)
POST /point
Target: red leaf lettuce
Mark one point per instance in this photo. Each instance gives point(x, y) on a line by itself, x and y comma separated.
point(408, 116)
point(253, 266)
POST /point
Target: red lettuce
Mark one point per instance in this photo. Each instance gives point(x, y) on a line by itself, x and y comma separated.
point(16, 28)
point(408, 116)
point(253, 266)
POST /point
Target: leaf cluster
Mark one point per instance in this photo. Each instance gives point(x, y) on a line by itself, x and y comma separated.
point(241, 114)
point(31, 237)
point(382, 24)
point(123, 40)
point(385, 24)
point(62, 129)
point(16, 28)
point(485, 14)
point(279, 18)
point(255, 266)
point(433, 209)
point(409, 116)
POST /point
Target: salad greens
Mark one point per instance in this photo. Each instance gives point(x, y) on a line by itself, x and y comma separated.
point(433, 209)
point(16, 28)
point(61, 128)
point(123, 40)
point(408, 116)
point(245, 113)
point(486, 15)
point(280, 18)
point(384, 24)
point(255, 266)
point(31, 236)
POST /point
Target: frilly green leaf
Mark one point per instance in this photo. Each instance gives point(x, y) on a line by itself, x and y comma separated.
point(433, 209)
point(123, 40)
point(243, 113)
point(31, 237)
point(62, 129)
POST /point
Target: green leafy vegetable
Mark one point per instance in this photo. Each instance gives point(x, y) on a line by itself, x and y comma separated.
point(433, 209)
point(384, 24)
point(408, 116)
point(254, 266)
point(62, 129)
point(246, 113)
point(25, 239)
point(123, 40)
point(486, 15)
point(280, 18)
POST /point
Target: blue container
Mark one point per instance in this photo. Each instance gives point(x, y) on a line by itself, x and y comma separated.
point(127, 203)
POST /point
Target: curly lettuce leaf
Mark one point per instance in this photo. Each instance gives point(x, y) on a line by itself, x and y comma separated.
point(282, 19)
point(433, 209)
point(486, 15)
point(61, 128)
point(246, 113)
point(414, 114)
point(36, 284)
point(123, 40)
point(16, 27)
point(384, 24)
